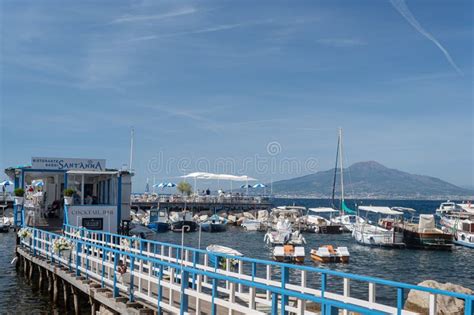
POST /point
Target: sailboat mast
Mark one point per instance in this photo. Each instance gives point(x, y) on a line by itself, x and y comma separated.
point(341, 163)
point(132, 134)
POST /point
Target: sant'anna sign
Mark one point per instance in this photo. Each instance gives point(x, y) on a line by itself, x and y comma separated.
point(67, 164)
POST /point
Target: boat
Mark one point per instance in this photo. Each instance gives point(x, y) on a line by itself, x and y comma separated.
point(461, 226)
point(219, 261)
point(292, 214)
point(4, 221)
point(424, 234)
point(183, 222)
point(159, 220)
point(329, 254)
point(289, 253)
point(342, 220)
point(141, 231)
point(321, 224)
point(214, 224)
point(251, 225)
point(347, 221)
point(367, 233)
point(466, 207)
point(284, 235)
point(446, 207)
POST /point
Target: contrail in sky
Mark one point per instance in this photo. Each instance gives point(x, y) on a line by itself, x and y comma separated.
point(402, 8)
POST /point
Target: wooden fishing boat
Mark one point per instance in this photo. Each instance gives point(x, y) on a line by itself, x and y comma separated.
point(424, 234)
point(329, 254)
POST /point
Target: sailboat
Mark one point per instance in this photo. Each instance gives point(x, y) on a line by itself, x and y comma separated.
point(346, 219)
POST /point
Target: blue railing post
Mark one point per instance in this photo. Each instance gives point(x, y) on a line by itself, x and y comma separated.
point(132, 271)
point(254, 270)
point(195, 260)
point(285, 276)
point(34, 241)
point(274, 304)
point(400, 298)
point(323, 289)
point(184, 297)
point(214, 295)
point(104, 253)
point(78, 258)
point(116, 290)
point(469, 306)
point(87, 261)
point(160, 289)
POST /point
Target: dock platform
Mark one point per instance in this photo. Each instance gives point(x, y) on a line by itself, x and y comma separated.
point(170, 279)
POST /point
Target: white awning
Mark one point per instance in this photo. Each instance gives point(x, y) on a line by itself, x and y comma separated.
point(204, 175)
point(381, 210)
point(323, 210)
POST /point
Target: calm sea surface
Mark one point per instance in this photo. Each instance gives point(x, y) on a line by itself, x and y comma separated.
point(411, 266)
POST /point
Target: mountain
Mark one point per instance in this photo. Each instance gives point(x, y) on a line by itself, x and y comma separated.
point(371, 180)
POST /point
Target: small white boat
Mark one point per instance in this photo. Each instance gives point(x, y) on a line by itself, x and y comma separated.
point(461, 225)
point(289, 253)
point(251, 225)
point(321, 224)
point(348, 221)
point(446, 207)
point(219, 249)
point(328, 253)
point(367, 233)
point(221, 262)
point(142, 231)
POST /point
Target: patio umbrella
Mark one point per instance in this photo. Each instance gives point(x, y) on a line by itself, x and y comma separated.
point(259, 186)
point(6, 183)
point(246, 186)
point(160, 185)
point(37, 183)
point(170, 185)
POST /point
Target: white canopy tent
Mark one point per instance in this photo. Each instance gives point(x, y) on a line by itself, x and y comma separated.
point(213, 176)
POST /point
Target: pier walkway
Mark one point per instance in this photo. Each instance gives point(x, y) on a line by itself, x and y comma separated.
point(171, 279)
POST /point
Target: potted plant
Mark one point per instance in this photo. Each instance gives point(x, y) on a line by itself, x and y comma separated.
point(68, 193)
point(62, 246)
point(24, 234)
point(19, 193)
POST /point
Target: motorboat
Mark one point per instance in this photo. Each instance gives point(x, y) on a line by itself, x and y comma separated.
point(289, 253)
point(446, 207)
point(251, 225)
point(347, 221)
point(461, 226)
point(183, 222)
point(292, 214)
point(367, 233)
point(5, 222)
point(141, 231)
point(219, 261)
point(424, 234)
point(214, 224)
point(466, 207)
point(315, 217)
point(159, 220)
point(329, 254)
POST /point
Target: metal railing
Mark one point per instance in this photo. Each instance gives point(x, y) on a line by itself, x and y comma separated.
point(158, 271)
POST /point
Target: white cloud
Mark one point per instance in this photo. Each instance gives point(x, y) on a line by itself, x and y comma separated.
point(154, 17)
point(402, 8)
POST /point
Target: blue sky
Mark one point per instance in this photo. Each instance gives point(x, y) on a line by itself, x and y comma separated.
point(218, 81)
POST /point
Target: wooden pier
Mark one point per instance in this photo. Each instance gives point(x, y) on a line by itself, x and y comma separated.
point(169, 279)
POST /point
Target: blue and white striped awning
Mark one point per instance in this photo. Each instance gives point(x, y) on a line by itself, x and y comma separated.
point(37, 183)
point(6, 183)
